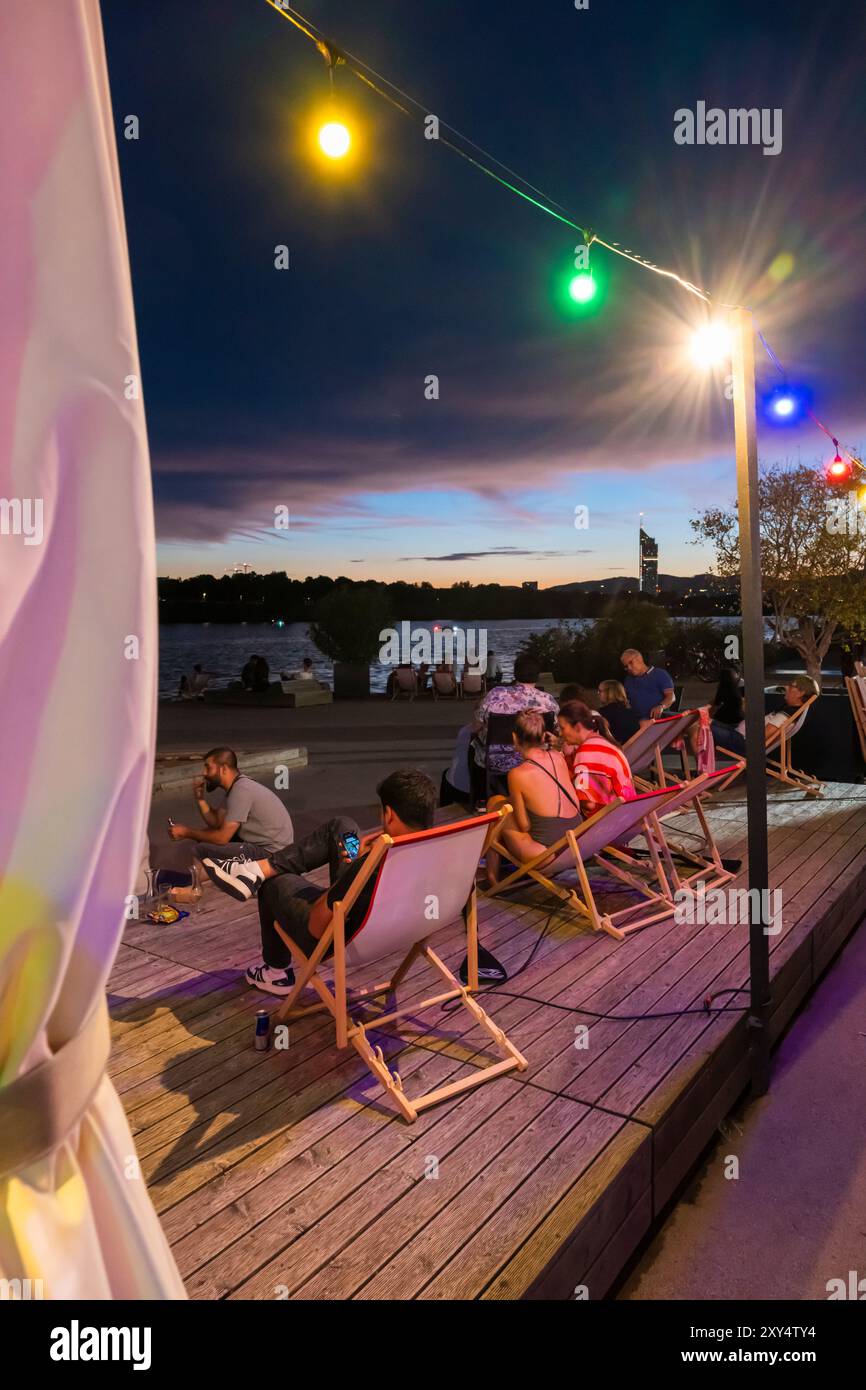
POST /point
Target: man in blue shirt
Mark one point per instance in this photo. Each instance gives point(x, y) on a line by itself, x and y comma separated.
point(650, 690)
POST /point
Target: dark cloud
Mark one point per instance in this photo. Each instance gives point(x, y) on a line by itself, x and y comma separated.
point(306, 388)
point(499, 551)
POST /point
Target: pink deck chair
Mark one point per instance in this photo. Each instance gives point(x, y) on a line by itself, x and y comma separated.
point(472, 683)
point(412, 874)
point(405, 682)
point(644, 749)
point(444, 685)
point(602, 839)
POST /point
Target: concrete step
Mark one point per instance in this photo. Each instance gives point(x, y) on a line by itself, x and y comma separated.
point(178, 770)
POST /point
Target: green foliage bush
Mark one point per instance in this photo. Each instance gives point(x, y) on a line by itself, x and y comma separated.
point(348, 624)
point(592, 654)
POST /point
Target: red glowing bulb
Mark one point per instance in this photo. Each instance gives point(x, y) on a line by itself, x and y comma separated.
point(839, 470)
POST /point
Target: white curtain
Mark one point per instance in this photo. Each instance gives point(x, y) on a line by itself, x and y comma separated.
point(78, 662)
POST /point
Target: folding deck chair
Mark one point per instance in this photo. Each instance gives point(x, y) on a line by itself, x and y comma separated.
point(780, 766)
point(405, 682)
point(410, 872)
point(601, 839)
point(707, 870)
point(644, 749)
point(856, 687)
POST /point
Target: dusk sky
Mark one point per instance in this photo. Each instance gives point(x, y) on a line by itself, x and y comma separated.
point(305, 387)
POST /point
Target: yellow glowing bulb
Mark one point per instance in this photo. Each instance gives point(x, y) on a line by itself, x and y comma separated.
point(710, 346)
point(334, 140)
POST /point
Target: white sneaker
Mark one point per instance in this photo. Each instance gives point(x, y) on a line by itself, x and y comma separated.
point(272, 979)
point(240, 877)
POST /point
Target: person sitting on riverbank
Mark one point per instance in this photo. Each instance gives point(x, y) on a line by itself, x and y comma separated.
point(493, 671)
point(615, 709)
point(544, 802)
point(600, 770)
point(306, 672)
point(252, 819)
point(192, 687)
point(256, 674)
point(408, 800)
point(650, 690)
point(509, 699)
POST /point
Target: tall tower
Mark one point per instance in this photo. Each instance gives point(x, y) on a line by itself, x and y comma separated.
point(648, 582)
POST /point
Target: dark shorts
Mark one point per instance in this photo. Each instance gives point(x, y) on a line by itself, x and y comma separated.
point(726, 736)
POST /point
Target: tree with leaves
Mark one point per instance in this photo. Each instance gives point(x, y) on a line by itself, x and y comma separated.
point(813, 564)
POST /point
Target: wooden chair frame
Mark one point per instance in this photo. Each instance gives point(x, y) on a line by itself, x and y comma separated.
point(613, 859)
point(709, 871)
point(857, 697)
point(665, 737)
point(781, 767)
point(354, 1031)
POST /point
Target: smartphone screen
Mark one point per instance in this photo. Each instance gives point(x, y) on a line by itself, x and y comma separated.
point(351, 844)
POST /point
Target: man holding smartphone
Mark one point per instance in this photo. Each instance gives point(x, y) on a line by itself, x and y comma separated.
point(408, 800)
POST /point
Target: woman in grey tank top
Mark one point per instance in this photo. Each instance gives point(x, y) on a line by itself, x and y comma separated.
point(539, 790)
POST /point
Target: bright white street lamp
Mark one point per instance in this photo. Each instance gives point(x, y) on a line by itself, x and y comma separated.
point(710, 345)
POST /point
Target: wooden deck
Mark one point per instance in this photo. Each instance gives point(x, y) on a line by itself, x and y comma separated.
point(285, 1174)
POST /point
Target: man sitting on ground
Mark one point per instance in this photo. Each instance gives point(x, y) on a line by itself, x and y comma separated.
point(408, 800)
point(650, 690)
point(253, 820)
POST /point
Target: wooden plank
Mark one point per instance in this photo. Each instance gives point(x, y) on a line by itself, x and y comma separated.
point(401, 1191)
point(591, 1181)
point(291, 1172)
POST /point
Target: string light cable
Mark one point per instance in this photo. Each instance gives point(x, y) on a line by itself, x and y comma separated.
point(854, 459)
point(415, 110)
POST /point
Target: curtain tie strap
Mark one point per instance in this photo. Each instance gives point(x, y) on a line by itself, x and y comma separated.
point(39, 1110)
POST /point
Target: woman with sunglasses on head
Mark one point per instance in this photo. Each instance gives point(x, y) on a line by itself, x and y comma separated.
point(600, 770)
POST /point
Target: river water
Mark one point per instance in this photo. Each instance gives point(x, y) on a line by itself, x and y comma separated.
point(224, 647)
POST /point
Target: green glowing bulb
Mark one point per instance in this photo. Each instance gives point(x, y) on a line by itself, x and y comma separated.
point(583, 288)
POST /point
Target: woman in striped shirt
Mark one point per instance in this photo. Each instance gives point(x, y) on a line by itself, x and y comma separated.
point(599, 769)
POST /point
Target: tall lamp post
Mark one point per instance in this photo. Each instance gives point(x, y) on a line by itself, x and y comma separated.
point(745, 434)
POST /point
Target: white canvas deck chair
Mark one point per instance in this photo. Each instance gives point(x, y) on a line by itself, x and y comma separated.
point(410, 872)
point(472, 684)
point(856, 687)
point(444, 685)
point(780, 766)
point(602, 840)
point(644, 749)
point(405, 682)
point(703, 863)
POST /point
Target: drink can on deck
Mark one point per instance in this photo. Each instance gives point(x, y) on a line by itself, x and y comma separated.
point(263, 1030)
